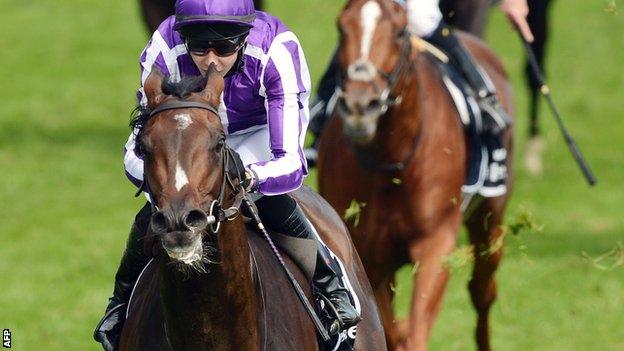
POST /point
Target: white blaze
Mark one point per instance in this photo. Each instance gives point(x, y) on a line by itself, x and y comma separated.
point(371, 11)
point(180, 177)
point(184, 120)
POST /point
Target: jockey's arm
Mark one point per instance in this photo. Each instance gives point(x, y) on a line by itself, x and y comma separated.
point(286, 87)
point(517, 12)
point(151, 55)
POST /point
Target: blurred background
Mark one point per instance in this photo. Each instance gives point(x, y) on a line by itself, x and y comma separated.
point(69, 71)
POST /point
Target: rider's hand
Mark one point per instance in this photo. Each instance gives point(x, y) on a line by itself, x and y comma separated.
point(237, 170)
point(249, 183)
point(517, 11)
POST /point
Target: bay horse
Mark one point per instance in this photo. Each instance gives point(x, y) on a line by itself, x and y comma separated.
point(235, 297)
point(397, 145)
point(155, 11)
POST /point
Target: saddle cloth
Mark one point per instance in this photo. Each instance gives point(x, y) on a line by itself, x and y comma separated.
point(486, 170)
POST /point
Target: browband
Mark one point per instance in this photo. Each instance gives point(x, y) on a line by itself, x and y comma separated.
point(183, 104)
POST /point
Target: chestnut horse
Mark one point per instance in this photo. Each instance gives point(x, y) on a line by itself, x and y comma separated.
point(214, 284)
point(399, 147)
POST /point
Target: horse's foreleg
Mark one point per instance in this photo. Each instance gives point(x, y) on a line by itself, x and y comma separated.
point(486, 236)
point(428, 255)
point(384, 296)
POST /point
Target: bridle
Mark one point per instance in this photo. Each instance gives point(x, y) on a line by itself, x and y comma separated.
point(366, 72)
point(387, 100)
point(216, 213)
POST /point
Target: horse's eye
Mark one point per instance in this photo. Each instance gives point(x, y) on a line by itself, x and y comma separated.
point(220, 143)
point(141, 150)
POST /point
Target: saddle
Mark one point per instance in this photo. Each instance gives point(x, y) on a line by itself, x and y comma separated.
point(486, 155)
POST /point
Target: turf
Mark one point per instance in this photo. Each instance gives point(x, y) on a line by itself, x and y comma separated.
point(69, 71)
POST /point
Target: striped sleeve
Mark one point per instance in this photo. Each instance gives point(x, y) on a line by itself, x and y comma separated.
point(157, 53)
point(285, 83)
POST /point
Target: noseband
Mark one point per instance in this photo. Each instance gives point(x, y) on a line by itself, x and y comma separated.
point(216, 213)
point(366, 72)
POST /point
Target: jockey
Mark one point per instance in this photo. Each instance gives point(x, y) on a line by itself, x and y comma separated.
point(264, 112)
point(425, 20)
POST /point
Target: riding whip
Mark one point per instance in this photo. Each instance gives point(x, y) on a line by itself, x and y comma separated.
point(306, 304)
point(545, 91)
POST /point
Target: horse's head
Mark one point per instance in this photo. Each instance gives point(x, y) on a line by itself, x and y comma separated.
point(373, 54)
point(183, 146)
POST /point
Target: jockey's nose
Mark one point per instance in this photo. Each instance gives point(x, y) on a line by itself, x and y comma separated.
point(166, 221)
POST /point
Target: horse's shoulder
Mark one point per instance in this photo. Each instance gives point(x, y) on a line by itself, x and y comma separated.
point(483, 53)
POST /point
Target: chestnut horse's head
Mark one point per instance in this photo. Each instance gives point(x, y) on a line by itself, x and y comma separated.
point(373, 55)
point(182, 143)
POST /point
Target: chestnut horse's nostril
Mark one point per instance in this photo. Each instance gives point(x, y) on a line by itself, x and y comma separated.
point(374, 105)
point(196, 219)
point(160, 223)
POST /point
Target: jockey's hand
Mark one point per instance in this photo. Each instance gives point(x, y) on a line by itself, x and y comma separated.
point(236, 169)
point(517, 11)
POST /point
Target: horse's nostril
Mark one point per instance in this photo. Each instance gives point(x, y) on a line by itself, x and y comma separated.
point(374, 105)
point(159, 223)
point(196, 219)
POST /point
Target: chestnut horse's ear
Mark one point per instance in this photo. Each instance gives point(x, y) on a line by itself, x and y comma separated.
point(399, 15)
point(153, 88)
point(214, 85)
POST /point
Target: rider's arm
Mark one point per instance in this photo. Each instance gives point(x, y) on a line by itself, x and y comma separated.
point(161, 52)
point(286, 86)
point(517, 12)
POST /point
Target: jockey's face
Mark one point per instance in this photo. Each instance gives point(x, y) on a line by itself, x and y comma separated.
point(222, 63)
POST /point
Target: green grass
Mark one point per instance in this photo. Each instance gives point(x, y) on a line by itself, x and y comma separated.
point(69, 72)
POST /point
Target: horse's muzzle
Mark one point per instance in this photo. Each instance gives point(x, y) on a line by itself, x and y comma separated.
point(181, 234)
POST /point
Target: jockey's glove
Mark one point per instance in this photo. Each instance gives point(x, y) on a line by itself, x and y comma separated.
point(236, 169)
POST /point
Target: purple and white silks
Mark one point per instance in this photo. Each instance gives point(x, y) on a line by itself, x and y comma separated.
point(269, 98)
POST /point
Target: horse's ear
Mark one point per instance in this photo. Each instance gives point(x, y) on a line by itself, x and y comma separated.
point(214, 84)
point(153, 88)
point(399, 15)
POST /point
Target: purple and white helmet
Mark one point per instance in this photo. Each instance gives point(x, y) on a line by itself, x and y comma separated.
point(228, 16)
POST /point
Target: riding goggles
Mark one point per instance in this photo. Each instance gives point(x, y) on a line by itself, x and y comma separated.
point(223, 47)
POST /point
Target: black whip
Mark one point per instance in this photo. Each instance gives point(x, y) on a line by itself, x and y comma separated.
point(545, 90)
point(306, 304)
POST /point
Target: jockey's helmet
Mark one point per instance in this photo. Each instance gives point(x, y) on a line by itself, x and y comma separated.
point(214, 20)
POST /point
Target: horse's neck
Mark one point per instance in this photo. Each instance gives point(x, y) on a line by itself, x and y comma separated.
point(214, 310)
point(400, 126)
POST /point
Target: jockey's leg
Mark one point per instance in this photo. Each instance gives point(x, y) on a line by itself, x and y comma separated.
point(132, 263)
point(483, 87)
point(322, 107)
point(282, 214)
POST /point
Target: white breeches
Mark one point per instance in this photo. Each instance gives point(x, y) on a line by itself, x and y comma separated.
point(252, 146)
point(423, 16)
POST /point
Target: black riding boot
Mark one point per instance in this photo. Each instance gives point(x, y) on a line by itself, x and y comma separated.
point(282, 214)
point(484, 89)
point(132, 263)
point(322, 108)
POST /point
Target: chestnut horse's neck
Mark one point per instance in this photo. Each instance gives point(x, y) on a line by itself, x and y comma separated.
point(399, 129)
point(214, 310)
